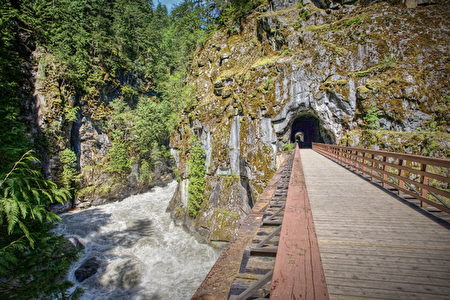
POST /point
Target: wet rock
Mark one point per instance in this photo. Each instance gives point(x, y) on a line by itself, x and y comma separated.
point(76, 242)
point(60, 208)
point(87, 269)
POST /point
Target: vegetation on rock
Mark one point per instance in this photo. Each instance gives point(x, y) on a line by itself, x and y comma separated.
point(197, 177)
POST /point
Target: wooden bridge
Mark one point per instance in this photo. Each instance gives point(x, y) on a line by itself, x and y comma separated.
point(342, 223)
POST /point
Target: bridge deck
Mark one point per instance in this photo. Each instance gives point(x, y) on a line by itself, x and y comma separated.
point(372, 245)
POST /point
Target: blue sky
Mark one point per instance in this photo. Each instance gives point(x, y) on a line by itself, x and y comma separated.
point(167, 3)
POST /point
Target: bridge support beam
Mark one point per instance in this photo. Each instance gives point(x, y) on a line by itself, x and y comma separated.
point(298, 272)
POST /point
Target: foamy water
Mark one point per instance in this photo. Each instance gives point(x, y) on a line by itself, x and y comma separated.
point(143, 254)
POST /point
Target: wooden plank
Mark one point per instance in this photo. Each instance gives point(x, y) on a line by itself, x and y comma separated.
point(382, 265)
point(405, 252)
point(426, 276)
point(272, 222)
point(249, 291)
point(440, 264)
point(263, 251)
point(390, 286)
point(362, 293)
point(406, 277)
point(298, 272)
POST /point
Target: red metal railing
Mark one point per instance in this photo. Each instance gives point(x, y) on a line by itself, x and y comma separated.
point(424, 178)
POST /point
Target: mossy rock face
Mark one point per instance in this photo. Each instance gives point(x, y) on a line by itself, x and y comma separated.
point(225, 207)
point(379, 66)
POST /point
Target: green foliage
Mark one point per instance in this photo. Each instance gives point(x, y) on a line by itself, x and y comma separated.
point(126, 49)
point(33, 261)
point(197, 177)
point(371, 117)
point(145, 174)
point(13, 142)
point(138, 134)
point(72, 113)
point(119, 160)
point(288, 146)
point(68, 159)
point(304, 15)
point(232, 12)
point(353, 21)
point(150, 124)
point(25, 196)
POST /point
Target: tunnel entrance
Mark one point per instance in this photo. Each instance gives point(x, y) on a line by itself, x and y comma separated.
point(310, 127)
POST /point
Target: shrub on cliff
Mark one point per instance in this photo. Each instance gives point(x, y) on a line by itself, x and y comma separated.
point(197, 177)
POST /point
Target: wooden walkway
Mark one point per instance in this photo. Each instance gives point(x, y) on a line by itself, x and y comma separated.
point(372, 245)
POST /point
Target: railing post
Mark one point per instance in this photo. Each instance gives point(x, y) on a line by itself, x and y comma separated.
point(357, 161)
point(423, 180)
point(364, 162)
point(353, 159)
point(372, 156)
point(400, 172)
point(385, 176)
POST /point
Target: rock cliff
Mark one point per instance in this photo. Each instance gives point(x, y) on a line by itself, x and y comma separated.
point(373, 75)
point(74, 137)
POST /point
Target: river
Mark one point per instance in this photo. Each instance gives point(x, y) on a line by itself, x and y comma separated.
point(141, 253)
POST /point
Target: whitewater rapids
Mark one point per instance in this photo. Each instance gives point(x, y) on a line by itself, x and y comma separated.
point(142, 253)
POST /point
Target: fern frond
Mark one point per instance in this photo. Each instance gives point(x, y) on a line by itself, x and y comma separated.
point(27, 233)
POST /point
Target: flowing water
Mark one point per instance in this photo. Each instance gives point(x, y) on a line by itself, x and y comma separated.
point(142, 253)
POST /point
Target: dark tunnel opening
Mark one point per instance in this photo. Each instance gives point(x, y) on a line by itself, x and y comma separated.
point(310, 127)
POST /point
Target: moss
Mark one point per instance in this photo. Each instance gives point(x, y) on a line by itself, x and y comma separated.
point(229, 73)
point(104, 189)
point(89, 190)
point(362, 89)
point(266, 60)
point(224, 222)
point(229, 213)
point(352, 21)
point(288, 147)
point(388, 62)
point(336, 49)
point(337, 87)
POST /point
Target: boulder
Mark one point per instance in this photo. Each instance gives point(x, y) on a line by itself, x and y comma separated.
point(87, 269)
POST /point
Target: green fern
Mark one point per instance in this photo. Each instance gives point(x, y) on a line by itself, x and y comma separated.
point(33, 261)
point(25, 194)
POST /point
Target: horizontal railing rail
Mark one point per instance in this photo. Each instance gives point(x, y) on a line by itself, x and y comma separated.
point(424, 178)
